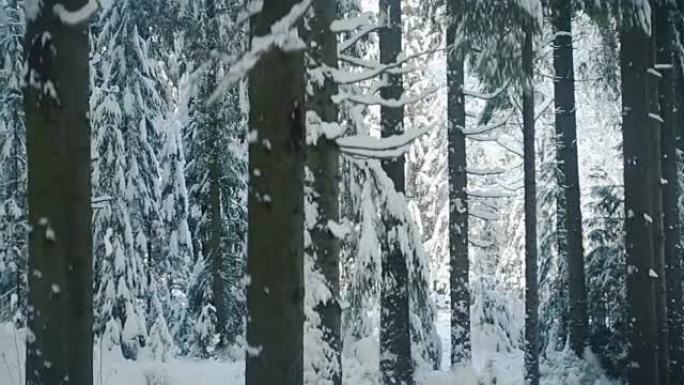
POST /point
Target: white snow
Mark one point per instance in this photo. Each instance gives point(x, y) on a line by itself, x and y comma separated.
point(76, 17)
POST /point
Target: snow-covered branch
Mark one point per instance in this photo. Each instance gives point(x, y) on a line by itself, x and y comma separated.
point(374, 100)
point(371, 147)
point(487, 96)
point(283, 36)
point(78, 16)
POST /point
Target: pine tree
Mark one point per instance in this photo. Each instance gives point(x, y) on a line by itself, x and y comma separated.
point(275, 242)
point(458, 199)
point(129, 106)
point(322, 165)
point(396, 364)
point(13, 194)
point(56, 88)
point(531, 295)
point(216, 177)
point(569, 212)
point(636, 57)
point(669, 105)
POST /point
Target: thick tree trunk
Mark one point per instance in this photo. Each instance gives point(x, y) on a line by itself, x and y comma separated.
point(636, 57)
point(672, 144)
point(322, 159)
point(458, 197)
point(60, 245)
point(275, 244)
point(569, 211)
point(531, 295)
point(396, 363)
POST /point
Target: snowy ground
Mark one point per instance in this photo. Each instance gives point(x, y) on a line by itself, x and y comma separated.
point(490, 367)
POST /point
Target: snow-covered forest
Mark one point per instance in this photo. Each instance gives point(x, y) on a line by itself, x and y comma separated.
point(341, 192)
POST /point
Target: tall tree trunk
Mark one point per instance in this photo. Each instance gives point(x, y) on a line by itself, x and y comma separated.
point(569, 211)
point(396, 363)
point(669, 199)
point(322, 159)
point(458, 197)
point(636, 57)
point(56, 103)
point(531, 295)
point(212, 247)
point(672, 143)
point(275, 241)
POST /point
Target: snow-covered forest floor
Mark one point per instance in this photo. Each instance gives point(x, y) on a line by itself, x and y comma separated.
point(491, 367)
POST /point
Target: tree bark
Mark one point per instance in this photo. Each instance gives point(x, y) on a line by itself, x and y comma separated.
point(636, 57)
point(569, 210)
point(396, 363)
point(670, 331)
point(672, 144)
point(458, 197)
point(531, 295)
point(322, 159)
point(56, 103)
point(275, 294)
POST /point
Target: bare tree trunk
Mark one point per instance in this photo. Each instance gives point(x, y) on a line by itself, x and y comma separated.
point(60, 245)
point(636, 57)
point(672, 143)
point(396, 363)
point(569, 211)
point(458, 197)
point(275, 295)
point(531, 295)
point(322, 159)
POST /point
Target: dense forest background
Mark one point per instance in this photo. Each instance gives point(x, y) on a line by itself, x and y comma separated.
point(460, 191)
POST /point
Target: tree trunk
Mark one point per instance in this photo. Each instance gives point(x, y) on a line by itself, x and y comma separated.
point(636, 57)
point(458, 198)
point(569, 211)
point(213, 248)
point(322, 159)
point(56, 103)
point(396, 363)
point(275, 242)
point(672, 143)
point(671, 248)
point(531, 295)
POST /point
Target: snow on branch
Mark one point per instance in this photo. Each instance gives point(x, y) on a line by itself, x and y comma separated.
point(76, 17)
point(485, 171)
point(363, 32)
point(479, 130)
point(283, 36)
point(352, 23)
point(487, 96)
point(489, 194)
point(373, 100)
point(251, 8)
point(371, 147)
point(483, 213)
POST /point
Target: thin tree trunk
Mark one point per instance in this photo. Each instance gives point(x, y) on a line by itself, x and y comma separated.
point(60, 245)
point(531, 295)
point(275, 295)
point(212, 247)
point(396, 363)
point(569, 211)
point(635, 58)
point(668, 235)
point(458, 197)
point(322, 159)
